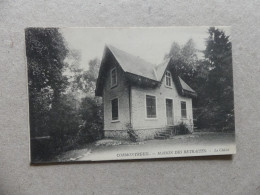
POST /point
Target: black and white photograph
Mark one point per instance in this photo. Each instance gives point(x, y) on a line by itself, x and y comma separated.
point(102, 94)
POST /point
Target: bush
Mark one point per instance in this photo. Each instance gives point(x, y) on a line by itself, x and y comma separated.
point(91, 111)
point(182, 129)
point(132, 135)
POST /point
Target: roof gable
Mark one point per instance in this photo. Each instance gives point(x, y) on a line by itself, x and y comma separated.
point(133, 64)
point(185, 86)
point(161, 68)
point(140, 71)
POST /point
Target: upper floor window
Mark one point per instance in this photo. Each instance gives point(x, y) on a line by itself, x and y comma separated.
point(151, 106)
point(113, 77)
point(168, 79)
point(183, 109)
point(114, 105)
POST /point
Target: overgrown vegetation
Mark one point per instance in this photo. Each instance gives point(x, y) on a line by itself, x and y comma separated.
point(132, 135)
point(211, 77)
point(181, 129)
point(64, 112)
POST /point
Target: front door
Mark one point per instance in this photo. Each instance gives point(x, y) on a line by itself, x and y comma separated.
point(169, 112)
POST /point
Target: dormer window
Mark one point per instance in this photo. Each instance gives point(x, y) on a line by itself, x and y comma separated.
point(113, 77)
point(168, 78)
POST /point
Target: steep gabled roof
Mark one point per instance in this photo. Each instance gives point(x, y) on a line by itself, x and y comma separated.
point(135, 67)
point(185, 86)
point(133, 64)
point(160, 69)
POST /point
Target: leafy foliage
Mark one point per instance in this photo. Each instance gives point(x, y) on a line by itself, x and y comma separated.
point(46, 51)
point(63, 105)
point(181, 129)
point(86, 80)
point(131, 133)
point(211, 77)
point(91, 107)
point(219, 107)
point(92, 114)
point(185, 60)
point(56, 84)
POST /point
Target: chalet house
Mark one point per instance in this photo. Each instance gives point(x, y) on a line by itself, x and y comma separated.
point(142, 96)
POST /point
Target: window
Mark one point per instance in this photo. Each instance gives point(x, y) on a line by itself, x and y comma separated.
point(168, 78)
point(114, 104)
point(151, 106)
point(183, 110)
point(113, 77)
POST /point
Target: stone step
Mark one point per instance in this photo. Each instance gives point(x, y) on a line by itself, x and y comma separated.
point(167, 133)
point(159, 137)
point(164, 134)
point(170, 130)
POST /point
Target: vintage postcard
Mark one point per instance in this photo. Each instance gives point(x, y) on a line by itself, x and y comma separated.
point(98, 94)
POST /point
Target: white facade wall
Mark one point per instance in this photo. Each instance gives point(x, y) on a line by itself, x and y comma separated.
point(145, 127)
point(121, 92)
point(139, 120)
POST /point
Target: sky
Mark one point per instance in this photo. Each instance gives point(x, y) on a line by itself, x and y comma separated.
point(149, 43)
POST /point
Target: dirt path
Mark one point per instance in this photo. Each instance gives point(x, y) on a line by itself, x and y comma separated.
point(110, 149)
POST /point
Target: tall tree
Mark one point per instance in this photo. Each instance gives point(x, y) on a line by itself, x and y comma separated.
point(219, 87)
point(185, 60)
point(86, 80)
point(46, 51)
point(91, 106)
point(83, 84)
point(175, 51)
